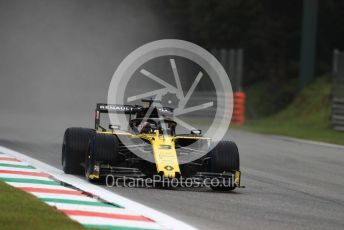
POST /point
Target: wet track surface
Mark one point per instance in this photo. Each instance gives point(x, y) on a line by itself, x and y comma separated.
point(289, 185)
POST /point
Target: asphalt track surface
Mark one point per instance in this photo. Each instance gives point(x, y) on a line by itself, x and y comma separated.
point(289, 185)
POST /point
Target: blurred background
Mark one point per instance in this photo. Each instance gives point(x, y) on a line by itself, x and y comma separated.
point(290, 61)
point(283, 57)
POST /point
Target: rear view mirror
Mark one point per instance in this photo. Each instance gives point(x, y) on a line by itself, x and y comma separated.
point(114, 127)
point(196, 132)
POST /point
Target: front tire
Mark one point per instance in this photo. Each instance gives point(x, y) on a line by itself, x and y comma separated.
point(74, 148)
point(103, 149)
point(224, 158)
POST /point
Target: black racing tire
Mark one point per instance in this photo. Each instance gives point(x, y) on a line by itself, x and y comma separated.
point(103, 149)
point(224, 158)
point(74, 148)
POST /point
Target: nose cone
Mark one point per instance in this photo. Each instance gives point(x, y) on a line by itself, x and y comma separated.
point(165, 157)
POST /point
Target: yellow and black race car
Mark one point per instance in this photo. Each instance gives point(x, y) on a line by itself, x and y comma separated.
point(149, 148)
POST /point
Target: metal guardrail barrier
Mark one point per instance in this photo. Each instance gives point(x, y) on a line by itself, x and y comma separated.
point(337, 107)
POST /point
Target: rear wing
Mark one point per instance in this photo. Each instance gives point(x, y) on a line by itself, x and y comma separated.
point(111, 108)
point(123, 109)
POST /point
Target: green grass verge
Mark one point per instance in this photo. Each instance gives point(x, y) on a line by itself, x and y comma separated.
point(307, 117)
point(20, 210)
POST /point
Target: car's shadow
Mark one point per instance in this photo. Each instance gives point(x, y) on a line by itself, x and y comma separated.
point(159, 187)
point(174, 189)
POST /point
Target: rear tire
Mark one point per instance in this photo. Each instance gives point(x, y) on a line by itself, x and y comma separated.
point(74, 148)
point(224, 158)
point(103, 149)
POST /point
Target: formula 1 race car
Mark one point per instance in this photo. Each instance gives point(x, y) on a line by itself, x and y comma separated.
point(148, 148)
